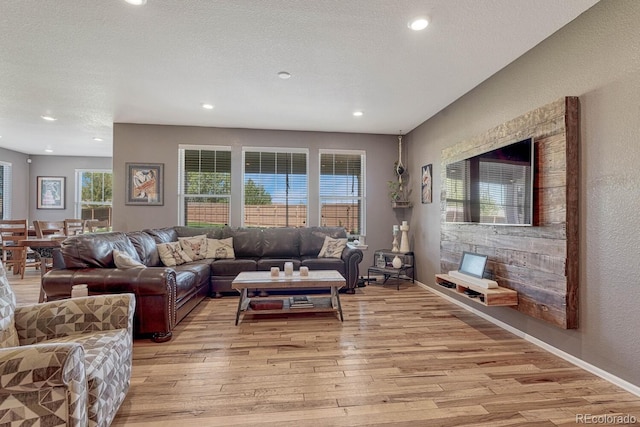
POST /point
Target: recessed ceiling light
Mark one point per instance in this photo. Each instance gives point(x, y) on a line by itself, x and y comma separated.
point(48, 150)
point(137, 2)
point(49, 118)
point(358, 113)
point(284, 75)
point(207, 106)
point(419, 24)
point(95, 138)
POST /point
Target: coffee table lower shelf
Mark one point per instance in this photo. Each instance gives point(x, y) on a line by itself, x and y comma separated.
point(320, 305)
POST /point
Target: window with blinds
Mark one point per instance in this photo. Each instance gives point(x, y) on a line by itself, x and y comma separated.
point(276, 189)
point(205, 185)
point(94, 197)
point(342, 196)
point(5, 190)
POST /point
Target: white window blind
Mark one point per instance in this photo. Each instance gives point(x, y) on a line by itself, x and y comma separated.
point(205, 185)
point(5, 190)
point(275, 188)
point(342, 197)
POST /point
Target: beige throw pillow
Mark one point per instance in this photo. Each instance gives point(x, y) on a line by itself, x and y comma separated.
point(171, 254)
point(195, 247)
point(332, 248)
point(222, 248)
point(124, 260)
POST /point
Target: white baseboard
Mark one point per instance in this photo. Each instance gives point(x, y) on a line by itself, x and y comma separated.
point(631, 388)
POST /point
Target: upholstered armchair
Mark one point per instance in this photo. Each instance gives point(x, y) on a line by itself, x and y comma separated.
point(64, 363)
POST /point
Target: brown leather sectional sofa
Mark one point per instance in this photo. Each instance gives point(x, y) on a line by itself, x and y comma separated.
point(165, 295)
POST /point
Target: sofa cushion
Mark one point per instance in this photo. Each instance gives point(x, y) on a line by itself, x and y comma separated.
point(172, 254)
point(312, 238)
point(281, 242)
point(95, 250)
point(124, 261)
point(163, 235)
point(186, 282)
point(267, 263)
point(247, 242)
point(8, 332)
point(232, 267)
point(324, 264)
point(220, 248)
point(195, 246)
point(211, 232)
point(145, 247)
point(332, 248)
point(201, 269)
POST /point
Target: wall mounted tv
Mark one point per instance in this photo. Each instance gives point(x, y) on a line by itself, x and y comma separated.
point(495, 187)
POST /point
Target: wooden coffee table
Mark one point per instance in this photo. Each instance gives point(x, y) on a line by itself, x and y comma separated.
point(317, 280)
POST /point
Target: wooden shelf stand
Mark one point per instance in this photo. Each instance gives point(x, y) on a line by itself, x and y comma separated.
point(489, 297)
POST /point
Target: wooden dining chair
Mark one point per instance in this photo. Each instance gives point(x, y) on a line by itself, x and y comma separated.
point(48, 228)
point(73, 226)
point(14, 255)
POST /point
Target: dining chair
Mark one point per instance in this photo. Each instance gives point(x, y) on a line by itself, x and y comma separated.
point(73, 226)
point(14, 255)
point(48, 228)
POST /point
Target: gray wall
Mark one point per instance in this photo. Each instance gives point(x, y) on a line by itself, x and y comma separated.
point(596, 57)
point(59, 166)
point(20, 182)
point(159, 144)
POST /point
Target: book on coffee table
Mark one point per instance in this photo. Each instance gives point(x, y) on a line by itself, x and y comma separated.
point(300, 302)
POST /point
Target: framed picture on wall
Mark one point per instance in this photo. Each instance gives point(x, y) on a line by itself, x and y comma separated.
point(145, 184)
point(50, 192)
point(427, 171)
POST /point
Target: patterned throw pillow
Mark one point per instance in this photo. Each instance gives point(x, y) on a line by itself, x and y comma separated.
point(222, 248)
point(124, 260)
point(195, 247)
point(8, 333)
point(332, 248)
point(172, 254)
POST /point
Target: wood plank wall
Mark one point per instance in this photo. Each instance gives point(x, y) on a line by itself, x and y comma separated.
point(540, 262)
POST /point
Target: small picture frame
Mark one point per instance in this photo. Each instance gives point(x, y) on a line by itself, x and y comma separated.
point(145, 184)
point(427, 182)
point(50, 192)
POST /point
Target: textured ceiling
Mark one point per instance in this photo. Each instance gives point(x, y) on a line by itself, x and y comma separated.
point(91, 63)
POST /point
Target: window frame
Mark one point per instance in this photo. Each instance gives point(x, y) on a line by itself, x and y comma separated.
point(363, 171)
point(181, 168)
point(78, 203)
point(7, 184)
point(277, 150)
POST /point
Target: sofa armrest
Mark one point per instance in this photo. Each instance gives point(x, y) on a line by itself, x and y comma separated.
point(352, 258)
point(40, 322)
point(53, 370)
point(57, 284)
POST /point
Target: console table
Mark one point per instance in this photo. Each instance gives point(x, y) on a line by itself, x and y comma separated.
point(405, 272)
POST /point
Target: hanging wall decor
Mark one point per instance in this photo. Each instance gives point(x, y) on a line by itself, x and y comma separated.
point(427, 171)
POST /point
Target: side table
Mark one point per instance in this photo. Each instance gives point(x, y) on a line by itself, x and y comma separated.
point(405, 272)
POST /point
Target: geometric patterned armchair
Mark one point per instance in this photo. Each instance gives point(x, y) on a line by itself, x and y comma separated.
point(64, 362)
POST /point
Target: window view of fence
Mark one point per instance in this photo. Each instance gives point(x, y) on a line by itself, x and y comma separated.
point(275, 189)
point(342, 190)
point(95, 194)
point(205, 186)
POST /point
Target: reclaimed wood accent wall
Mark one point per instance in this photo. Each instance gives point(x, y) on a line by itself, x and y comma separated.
point(541, 261)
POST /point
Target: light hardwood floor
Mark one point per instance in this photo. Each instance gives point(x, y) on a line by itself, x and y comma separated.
point(401, 358)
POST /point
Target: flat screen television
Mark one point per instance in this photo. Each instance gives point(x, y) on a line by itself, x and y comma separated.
point(495, 187)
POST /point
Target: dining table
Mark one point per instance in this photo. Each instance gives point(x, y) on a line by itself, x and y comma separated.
point(44, 247)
